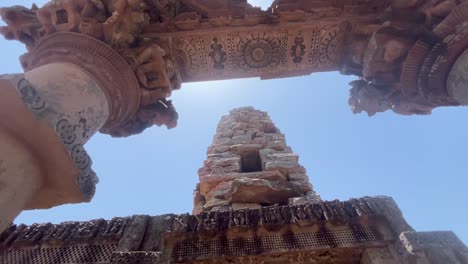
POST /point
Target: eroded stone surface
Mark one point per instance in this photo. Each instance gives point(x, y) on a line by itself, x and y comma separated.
point(457, 80)
point(249, 162)
point(20, 176)
point(396, 48)
point(354, 231)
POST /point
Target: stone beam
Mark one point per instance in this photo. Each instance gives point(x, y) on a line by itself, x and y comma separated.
point(325, 231)
point(402, 51)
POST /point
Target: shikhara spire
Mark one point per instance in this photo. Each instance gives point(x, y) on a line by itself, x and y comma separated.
point(249, 165)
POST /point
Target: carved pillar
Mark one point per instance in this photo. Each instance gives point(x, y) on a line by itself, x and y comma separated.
point(20, 176)
point(412, 61)
point(47, 116)
point(249, 165)
point(86, 70)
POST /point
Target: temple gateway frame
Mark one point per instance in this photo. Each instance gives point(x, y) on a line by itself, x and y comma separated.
point(111, 65)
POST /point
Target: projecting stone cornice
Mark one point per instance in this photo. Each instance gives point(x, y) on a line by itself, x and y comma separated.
point(332, 228)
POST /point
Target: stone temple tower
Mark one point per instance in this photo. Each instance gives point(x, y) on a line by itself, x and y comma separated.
point(249, 165)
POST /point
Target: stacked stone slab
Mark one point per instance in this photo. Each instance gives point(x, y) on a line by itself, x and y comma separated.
point(249, 165)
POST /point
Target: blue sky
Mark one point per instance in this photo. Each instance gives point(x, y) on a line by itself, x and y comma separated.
point(421, 161)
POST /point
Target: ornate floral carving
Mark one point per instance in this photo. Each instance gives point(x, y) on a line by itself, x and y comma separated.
point(259, 51)
point(141, 257)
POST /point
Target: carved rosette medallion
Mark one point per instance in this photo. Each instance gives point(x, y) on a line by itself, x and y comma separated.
point(187, 58)
point(326, 44)
point(330, 44)
point(260, 51)
point(107, 66)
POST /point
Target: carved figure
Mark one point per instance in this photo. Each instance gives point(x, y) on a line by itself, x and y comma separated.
point(126, 22)
point(372, 99)
point(160, 113)
point(152, 70)
point(162, 10)
point(22, 24)
point(64, 15)
point(367, 97)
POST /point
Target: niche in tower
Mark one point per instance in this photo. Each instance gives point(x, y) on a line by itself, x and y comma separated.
point(250, 161)
point(62, 16)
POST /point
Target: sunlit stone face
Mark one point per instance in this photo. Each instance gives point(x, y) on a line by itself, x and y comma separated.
point(458, 79)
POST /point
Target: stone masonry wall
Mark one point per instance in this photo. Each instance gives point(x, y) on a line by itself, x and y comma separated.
point(249, 165)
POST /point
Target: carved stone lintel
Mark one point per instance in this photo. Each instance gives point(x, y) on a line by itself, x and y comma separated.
point(397, 48)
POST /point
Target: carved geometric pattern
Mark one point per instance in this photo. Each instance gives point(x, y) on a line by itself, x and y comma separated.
point(187, 57)
point(99, 253)
point(232, 55)
point(30, 96)
point(67, 133)
point(260, 51)
point(325, 45)
point(338, 237)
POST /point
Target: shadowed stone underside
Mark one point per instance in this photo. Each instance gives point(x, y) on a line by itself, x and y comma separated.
point(330, 232)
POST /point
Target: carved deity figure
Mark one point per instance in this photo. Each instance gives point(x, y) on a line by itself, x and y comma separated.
point(160, 113)
point(367, 97)
point(22, 24)
point(370, 98)
point(152, 70)
point(128, 18)
point(163, 10)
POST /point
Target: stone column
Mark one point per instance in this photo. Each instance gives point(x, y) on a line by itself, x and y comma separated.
point(249, 165)
point(47, 116)
point(20, 176)
point(457, 81)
